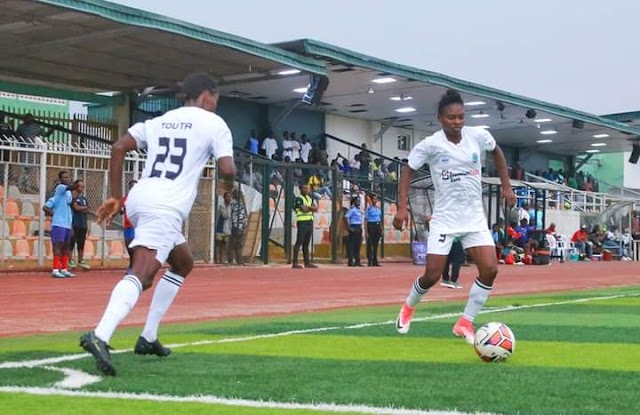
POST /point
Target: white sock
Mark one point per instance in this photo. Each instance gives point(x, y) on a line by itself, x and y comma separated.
point(163, 297)
point(123, 298)
point(478, 295)
point(416, 293)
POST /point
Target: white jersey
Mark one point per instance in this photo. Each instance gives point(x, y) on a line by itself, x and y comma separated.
point(270, 147)
point(179, 144)
point(456, 170)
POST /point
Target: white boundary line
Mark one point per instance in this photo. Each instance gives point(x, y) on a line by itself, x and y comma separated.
point(77, 356)
point(245, 403)
point(75, 378)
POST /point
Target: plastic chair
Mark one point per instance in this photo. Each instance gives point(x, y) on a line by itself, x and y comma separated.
point(19, 229)
point(14, 193)
point(22, 249)
point(12, 209)
point(89, 250)
point(7, 249)
point(5, 231)
point(28, 210)
point(116, 249)
point(1, 192)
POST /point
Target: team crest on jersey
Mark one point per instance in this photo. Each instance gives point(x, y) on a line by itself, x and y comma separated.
point(474, 158)
point(444, 159)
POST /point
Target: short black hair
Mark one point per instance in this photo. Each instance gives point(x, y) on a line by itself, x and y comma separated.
point(60, 173)
point(449, 97)
point(197, 83)
point(354, 200)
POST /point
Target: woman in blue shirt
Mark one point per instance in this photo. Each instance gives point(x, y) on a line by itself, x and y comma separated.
point(354, 220)
point(373, 229)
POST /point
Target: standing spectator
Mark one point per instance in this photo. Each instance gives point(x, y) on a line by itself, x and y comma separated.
point(238, 228)
point(322, 157)
point(129, 231)
point(373, 231)
point(270, 146)
point(287, 146)
point(6, 131)
point(59, 206)
point(252, 143)
point(80, 208)
point(454, 261)
point(518, 172)
point(354, 224)
point(295, 147)
point(365, 160)
point(305, 149)
point(223, 228)
point(304, 208)
point(523, 212)
point(27, 132)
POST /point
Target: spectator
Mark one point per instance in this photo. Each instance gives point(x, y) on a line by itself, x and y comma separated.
point(613, 243)
point(523, 212)
point(80, 208)
point(238, 227)
point(551, 230)
point(27, 132)
point(59, 206)
point(524, 230)
point(6, 131)
point(270, 146)
point(518, 172)
point(295, 148)
point(365, 160)
point(581, 241)
point(317, 187)
point(305, 209)
point(455, 260)
point(322, 157)
point(354, 219)
point(252, 143)
point(305, 149)
point(373, 231)
point(223, 228)
point(355, 164)
point(287, 146)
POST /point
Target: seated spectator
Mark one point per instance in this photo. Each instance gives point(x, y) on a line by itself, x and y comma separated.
point(614, 244)
point(318, 187)
point(551, 230)
point(524, 230)
point(581, 241)
point(523, 212)
point(596, 237)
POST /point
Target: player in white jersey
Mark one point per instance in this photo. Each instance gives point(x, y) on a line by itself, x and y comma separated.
point(453, 155)
point(179, 144)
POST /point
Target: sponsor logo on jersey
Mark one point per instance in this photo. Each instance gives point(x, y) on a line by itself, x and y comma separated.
point(474, 158)
point(444, 159)
point(453, 177)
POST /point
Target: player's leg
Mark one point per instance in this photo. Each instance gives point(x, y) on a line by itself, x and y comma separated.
point(438, 247)
point(81, 237)
point(66, 254)
point(57, 242)
point(154, 240)
point(481, 248)
point(181, 263)
point(72, 246)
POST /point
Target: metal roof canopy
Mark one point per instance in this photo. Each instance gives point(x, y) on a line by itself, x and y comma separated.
point(97, 46)
point(352, 93)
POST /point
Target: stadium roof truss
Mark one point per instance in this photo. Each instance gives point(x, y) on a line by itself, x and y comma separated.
point(95, 46)
point(514, 120)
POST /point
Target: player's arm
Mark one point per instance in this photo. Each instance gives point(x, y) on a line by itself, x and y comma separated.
point(119, 151)
point(111, 206)
point(226, 172)
point(501, 166)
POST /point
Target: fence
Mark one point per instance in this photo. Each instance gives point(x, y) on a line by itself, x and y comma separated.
point(27, 176)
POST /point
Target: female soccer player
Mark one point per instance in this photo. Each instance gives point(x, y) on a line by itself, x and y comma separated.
point(453, 155)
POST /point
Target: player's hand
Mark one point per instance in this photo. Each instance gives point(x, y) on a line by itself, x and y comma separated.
point(108, 211)
point(402, 218)
point(509, 196)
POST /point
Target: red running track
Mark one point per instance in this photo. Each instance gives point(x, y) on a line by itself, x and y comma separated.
point(35, 303)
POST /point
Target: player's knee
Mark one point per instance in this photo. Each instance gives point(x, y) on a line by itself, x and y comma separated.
point(489, 273)
point(429, 278)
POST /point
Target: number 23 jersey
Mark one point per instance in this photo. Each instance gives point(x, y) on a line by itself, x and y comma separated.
point(179, 144)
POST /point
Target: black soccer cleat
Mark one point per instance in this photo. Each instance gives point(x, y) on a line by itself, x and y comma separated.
point(143, 346)
point(100, 351)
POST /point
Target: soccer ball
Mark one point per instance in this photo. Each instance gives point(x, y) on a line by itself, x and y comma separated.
point(494, 342)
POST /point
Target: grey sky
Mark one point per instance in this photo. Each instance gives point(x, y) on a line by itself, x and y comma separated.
point(565, 52)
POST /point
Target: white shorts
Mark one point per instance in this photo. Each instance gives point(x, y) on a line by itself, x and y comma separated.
point(440, 244)
point(161, 231)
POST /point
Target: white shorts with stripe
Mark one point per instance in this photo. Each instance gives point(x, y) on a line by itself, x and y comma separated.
point(440, 244)
point(160, 230)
